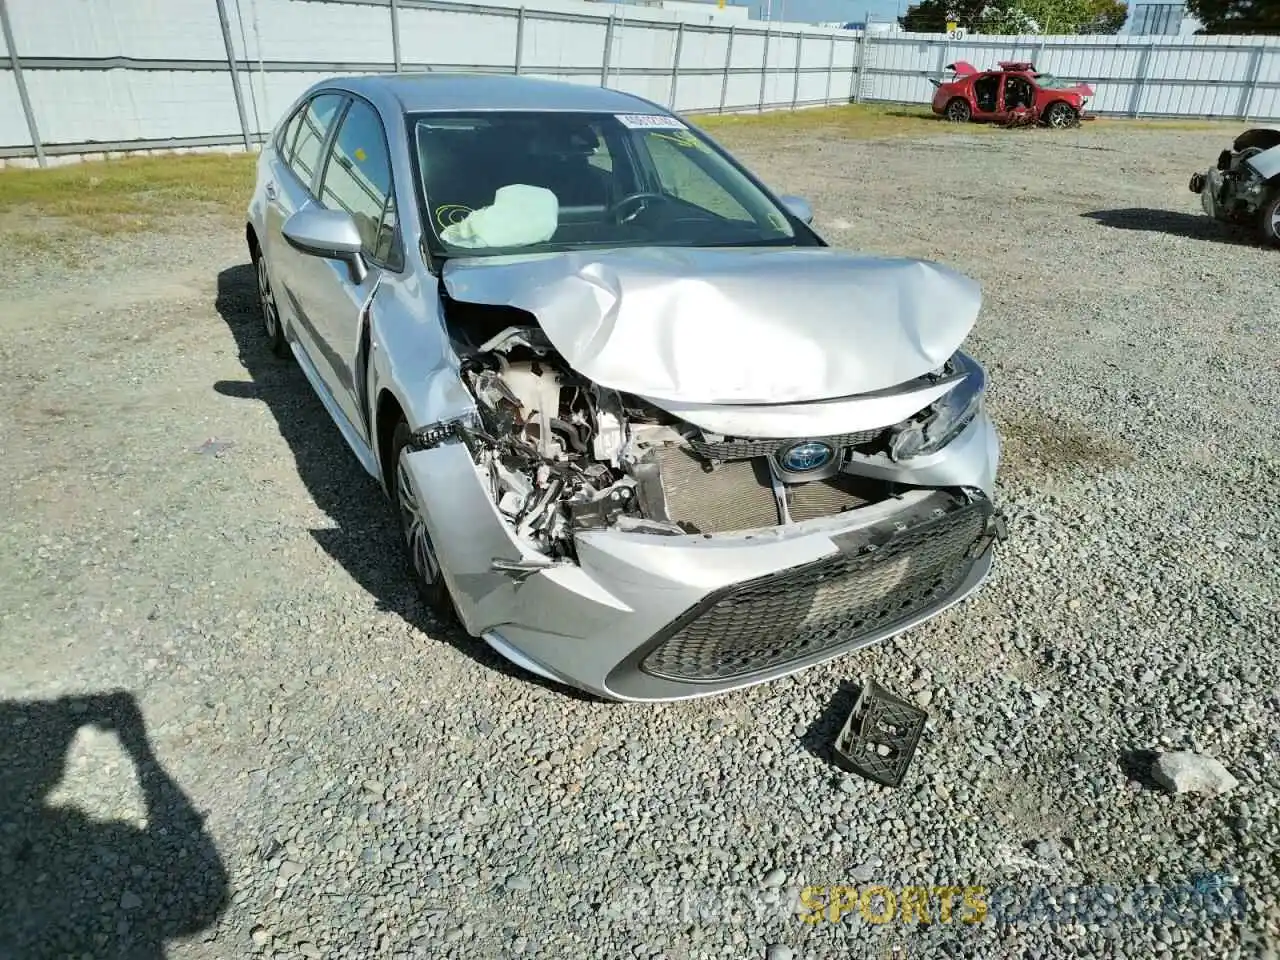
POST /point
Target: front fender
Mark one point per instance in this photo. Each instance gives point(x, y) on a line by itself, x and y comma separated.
point(410, 358)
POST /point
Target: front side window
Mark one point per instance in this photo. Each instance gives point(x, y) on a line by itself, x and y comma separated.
point(357, 179)
point(531, 181)
point(316, 120)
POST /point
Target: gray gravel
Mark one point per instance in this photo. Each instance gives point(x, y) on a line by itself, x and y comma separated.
point(183, 523)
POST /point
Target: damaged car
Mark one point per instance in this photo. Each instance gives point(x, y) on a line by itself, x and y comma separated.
point(1014, 94)
point(647, 434)
point(1243, 187)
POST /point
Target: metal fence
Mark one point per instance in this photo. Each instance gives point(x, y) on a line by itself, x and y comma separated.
point(86, 78)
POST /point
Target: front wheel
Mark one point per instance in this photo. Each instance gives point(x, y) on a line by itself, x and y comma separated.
point(1060, 115)
point(958, 111)
point(1269, 220)
point(423, 563)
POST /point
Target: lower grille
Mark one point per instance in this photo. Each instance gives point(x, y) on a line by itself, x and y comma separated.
point(741, 449)
point(886, 576)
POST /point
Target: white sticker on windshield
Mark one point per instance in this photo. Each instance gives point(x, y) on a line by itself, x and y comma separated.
point(648, 121)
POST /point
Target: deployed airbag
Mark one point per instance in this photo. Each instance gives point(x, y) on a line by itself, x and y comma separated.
point(519, 216)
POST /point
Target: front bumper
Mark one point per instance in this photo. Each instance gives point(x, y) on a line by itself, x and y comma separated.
point(654, 618)
point(708, 615)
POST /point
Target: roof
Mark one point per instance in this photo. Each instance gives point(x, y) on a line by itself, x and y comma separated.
point(432, 92)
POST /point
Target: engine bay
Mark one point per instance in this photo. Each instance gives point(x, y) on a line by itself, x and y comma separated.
point(559, 454)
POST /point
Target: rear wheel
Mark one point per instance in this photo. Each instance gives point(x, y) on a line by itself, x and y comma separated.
point(958, 111)
point(270, 312)
point(1060, 115)
point(421, 552)
point(1269, 220)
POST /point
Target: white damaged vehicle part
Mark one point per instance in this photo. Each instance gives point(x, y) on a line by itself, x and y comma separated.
point(743, 326)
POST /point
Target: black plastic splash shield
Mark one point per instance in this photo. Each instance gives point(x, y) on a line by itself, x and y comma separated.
point(880, 736)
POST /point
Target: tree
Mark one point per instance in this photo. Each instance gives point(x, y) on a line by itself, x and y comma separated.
point(1237, 16)
point(1017, 16)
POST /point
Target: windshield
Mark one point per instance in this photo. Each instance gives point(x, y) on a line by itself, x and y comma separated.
point(532, 182)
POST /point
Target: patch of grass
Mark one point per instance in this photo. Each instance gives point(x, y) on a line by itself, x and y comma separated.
point(856, 120)
point(869, 121)
point(127, 195)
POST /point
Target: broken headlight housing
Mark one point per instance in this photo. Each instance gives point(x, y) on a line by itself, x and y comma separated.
point(941, 422)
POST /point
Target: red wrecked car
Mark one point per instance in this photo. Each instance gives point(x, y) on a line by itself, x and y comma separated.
point(1013, 94)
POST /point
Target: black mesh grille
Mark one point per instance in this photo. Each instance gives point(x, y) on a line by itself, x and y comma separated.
point(887, 577)
point(737, 449)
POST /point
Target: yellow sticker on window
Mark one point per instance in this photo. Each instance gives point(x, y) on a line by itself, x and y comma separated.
point(451, 213)
point(682, 139)
point(361, 155)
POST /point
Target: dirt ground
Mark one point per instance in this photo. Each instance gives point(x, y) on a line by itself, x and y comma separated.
point(184, 524)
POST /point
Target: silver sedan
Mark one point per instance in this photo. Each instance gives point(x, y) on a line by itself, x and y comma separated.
point(646, 433)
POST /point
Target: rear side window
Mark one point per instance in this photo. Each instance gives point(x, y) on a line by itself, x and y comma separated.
point(357, 178)
point(289, 133)
point(313, 127)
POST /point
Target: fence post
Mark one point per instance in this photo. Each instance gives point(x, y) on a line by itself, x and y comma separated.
point(608, 50)
point(520, 40)
point(235, 72)
point(764, 69)
point(728, 63)
point(855, 93)
point(795, 85)
point(831, 65)
point(395, 35)
point(1135, 99)
point(20, 82)
point(1251, 85)
point(675, 65)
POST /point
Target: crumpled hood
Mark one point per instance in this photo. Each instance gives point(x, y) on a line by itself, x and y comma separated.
point(723, 326)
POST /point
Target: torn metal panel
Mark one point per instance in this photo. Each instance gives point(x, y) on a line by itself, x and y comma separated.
point(1266, 164)
point(743, 326)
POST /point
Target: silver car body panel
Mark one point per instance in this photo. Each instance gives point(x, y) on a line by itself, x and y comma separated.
point(732, 326)
point(381, 348)
point(1265, 164)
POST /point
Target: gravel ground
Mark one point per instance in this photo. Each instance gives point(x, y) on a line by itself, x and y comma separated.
point(372, 784)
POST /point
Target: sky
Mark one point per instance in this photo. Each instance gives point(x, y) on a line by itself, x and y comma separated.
point(820, 11)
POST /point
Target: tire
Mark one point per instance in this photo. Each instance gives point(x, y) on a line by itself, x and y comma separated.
point(424, 567)
point(1269, 220)
point(1060, 115)
point(271, 324)
point(958, 111)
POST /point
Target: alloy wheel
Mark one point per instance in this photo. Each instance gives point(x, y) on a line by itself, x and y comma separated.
point(414, 527)
point(270, 315)
point(1060, 116)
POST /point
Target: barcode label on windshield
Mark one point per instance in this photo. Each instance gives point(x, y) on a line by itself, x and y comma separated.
point(645, 121)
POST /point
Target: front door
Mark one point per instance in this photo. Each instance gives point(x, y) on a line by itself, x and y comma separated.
point(355, 177)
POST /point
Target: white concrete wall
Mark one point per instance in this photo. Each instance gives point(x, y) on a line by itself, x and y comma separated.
point(148, 73)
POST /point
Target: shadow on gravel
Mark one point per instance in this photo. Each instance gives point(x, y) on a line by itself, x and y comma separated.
point(819, 740)
point(366, 540)
point(71, 886)
point(1194, 226)
point(1136, 766)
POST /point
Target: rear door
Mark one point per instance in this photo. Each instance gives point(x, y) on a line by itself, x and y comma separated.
point(293, 177)
point(986, 95)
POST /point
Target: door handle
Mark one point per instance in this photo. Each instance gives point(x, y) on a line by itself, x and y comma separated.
point(271, 190)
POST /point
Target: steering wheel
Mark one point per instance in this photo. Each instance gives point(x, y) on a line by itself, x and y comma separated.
point(616, 208)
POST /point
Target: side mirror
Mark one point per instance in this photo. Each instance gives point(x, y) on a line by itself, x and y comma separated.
point(799, 208)
point(331, 234)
